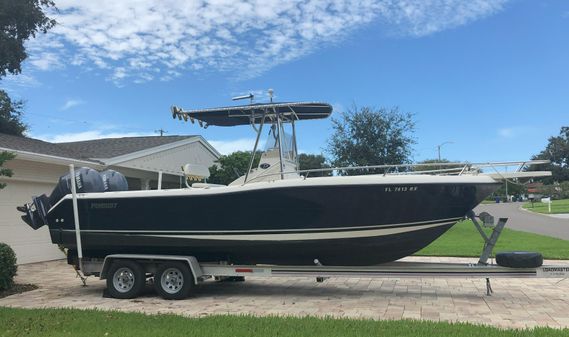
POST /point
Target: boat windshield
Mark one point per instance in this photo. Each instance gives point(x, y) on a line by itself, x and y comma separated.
point(272, 144)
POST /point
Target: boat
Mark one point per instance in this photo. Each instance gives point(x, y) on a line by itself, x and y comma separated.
point(274, 213)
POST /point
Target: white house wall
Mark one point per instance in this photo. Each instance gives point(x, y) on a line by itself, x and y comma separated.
point(30, 179)
point(171, 161)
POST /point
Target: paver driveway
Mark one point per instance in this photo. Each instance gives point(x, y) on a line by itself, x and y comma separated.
point(515, 303)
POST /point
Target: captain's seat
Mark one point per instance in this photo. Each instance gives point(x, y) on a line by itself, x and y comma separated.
point(196, 172)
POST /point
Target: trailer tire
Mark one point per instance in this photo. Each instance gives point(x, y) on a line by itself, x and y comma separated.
point(126, 279)
point(519, 259)
point(173, 280)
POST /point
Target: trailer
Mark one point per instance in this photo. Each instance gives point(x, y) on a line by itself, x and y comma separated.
point(175, 276)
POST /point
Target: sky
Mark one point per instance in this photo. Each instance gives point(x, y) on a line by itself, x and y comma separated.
point(488, 78)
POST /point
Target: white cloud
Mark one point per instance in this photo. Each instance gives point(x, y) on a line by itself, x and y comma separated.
point(514, 131)
point(229, 146)
point(20, 80)
point(420, 18)
point(46, 61)
point(506, 132)
point(142, 40)
point(70, 103)
point(86, 135)
point(338, 108)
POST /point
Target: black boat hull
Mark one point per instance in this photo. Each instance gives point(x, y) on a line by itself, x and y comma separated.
point(336, 224)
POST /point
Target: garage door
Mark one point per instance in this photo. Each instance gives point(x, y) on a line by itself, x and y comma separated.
point(30, 245)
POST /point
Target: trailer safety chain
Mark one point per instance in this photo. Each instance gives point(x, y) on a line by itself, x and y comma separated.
point(77, 272)
point(82, 277)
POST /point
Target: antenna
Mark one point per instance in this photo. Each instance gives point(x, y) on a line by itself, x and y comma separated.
point(160, 131)
point(250, 96)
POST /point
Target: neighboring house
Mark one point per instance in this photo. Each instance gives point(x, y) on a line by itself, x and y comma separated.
point(38, 166)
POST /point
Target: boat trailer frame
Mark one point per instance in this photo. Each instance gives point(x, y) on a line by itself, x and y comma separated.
point(397, 269)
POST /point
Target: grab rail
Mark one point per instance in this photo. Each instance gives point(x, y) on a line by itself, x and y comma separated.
point(460, 168)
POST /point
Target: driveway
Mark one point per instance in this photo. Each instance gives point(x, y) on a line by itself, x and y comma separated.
point(527, 221)
point(515, 303)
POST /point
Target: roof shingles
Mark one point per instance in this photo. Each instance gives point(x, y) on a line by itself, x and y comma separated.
point(32, 145)
point(90, 149)
point(114, 147)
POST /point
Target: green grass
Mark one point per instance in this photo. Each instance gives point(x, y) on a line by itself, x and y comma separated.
point(464, 240)
point(72, 322)
point(557, 207)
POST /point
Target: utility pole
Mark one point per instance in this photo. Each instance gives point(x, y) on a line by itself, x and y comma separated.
point(439, 151)
point(161, 131)
point(439, 148)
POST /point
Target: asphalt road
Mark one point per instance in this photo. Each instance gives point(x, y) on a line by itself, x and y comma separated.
point(527, 221)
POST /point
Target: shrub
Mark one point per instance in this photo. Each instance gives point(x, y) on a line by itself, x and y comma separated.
point(7, 266)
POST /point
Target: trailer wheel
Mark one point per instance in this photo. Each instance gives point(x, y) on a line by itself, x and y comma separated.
point(173, 280)
point(126, 279)
point(519, 259)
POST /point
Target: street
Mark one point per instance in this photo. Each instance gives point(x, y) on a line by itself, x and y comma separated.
point(527, 221)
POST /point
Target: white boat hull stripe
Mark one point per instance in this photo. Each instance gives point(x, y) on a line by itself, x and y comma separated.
point(303, 236)
point(263, 231)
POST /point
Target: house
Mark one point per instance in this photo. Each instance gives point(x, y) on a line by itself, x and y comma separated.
point(38, 166)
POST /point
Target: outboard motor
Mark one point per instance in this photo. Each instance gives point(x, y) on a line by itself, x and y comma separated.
point(114, 181)
point(86, 180)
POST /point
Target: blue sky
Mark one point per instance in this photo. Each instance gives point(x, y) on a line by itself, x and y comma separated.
point(490, 76)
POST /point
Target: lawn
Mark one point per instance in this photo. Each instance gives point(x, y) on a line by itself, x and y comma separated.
point(557, 207)
point(464, 240)
point(72, 322)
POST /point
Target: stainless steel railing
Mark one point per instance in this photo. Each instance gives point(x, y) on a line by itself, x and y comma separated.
point(456, 168)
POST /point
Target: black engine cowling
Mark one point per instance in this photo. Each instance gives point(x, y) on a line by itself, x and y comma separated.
point(114, 181)
point(87, 180)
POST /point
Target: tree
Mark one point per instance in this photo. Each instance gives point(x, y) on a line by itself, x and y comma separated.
point(370, 136)
point(510, 188)
point(231, 167)
point(433, 164)
point(10, 115)
point(313, 161)
point(20, 20)
point(557, 151)
point(5, 156)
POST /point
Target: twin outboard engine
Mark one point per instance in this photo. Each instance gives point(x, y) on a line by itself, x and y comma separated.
point(87, 180)
point(113, 181)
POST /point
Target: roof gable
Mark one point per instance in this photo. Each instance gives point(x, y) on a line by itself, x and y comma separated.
point(110, 151)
